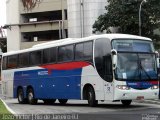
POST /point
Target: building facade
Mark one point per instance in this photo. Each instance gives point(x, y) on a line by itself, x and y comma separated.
point(31, 22)
point(82, 15)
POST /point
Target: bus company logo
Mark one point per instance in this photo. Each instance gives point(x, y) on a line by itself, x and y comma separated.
point(43, 73)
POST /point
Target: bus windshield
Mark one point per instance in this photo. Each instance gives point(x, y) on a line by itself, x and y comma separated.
point(132, 45)
point(136, 59)
point(136, 66)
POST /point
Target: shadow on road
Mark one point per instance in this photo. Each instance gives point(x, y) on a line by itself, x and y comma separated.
point(103, 106)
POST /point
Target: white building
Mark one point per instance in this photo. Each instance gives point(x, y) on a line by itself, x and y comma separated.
point(82, 15)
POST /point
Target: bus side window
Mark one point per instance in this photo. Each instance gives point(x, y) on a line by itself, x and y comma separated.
point(79, 51)
point(23, 60)
point(83, 51)
point(107, 64)
point(103, 63)
point(88, 51)
point(4, 62)
point(35, 57)
point(49, 55)
point(12, 61)
point(65, 53)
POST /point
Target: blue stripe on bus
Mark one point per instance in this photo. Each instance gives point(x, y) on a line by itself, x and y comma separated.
point(59, 84)
point(142, 84)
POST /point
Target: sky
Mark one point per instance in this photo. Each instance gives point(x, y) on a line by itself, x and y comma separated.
point(2, 12)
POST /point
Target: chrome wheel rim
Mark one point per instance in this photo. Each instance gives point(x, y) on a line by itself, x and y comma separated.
point(30, 96)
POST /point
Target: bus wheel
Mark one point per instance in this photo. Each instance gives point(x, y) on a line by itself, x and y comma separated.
point(63, 101)
point(31, 98)
point(126, 102)
point(20, 95)
point(49, 101)
point(91, 97)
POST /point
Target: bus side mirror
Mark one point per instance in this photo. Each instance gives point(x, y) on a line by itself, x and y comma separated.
point(114, 58)
point(157, 58)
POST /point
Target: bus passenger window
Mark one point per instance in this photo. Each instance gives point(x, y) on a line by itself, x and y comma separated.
point(23, 60)
point(35, 58)
point(4, 66)
point(79, 51)
point(49, 55)
point(83, 51)
point(103, 61)
point(12, 61)
point(65, 53)
point(88, 50)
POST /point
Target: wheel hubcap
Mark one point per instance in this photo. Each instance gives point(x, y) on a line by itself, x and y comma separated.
point(90, 96)
point(20, 97)
point(30, 96)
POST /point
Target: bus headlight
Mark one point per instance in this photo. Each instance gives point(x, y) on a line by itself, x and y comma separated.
point(154, 87)
point(123, 87)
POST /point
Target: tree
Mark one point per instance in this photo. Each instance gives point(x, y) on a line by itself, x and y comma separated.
point(123, 14)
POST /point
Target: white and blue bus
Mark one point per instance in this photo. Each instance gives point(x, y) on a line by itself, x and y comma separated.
point(114, 67)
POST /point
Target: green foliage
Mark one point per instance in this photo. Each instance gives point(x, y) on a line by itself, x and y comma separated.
point(3, 109)
point(3, 45)
point(124, 15)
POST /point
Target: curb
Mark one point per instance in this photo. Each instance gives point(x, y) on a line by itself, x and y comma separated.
point(7, 107)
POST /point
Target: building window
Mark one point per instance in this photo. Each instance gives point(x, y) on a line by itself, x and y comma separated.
point(65, 15)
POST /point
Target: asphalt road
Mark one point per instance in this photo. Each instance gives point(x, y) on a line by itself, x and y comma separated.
point(81, 111)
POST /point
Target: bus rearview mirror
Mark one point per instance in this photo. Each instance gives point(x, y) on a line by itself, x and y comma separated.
point(157, 58)
point(114, 58)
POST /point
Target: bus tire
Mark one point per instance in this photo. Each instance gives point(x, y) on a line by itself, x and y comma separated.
point(91, 97)
point(20, 95)
point(62, 101)
point(49, 101)
point(126, 102)
point(30, 96)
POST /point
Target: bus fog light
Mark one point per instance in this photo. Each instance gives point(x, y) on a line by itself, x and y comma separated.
point(154, 87)
point(123, 87)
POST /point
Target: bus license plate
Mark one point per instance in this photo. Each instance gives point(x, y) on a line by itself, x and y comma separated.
point(140, 97)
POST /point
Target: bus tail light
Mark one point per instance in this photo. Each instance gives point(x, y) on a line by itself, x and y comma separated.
point(123, 87)
point(154, 87)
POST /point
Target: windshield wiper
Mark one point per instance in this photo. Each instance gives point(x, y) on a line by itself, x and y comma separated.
point(141, 68)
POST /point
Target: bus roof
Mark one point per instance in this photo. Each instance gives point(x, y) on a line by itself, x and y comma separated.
point(75, 40)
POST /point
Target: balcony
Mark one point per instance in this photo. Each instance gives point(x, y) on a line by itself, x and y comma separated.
point(43, 26)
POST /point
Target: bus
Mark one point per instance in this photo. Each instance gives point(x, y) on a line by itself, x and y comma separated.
point(108, 67)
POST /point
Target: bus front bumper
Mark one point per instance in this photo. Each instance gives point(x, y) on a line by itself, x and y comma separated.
point(136, 94)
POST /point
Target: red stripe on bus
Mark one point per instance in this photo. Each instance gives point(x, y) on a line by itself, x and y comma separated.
point(66, 66)
point(153, 82)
